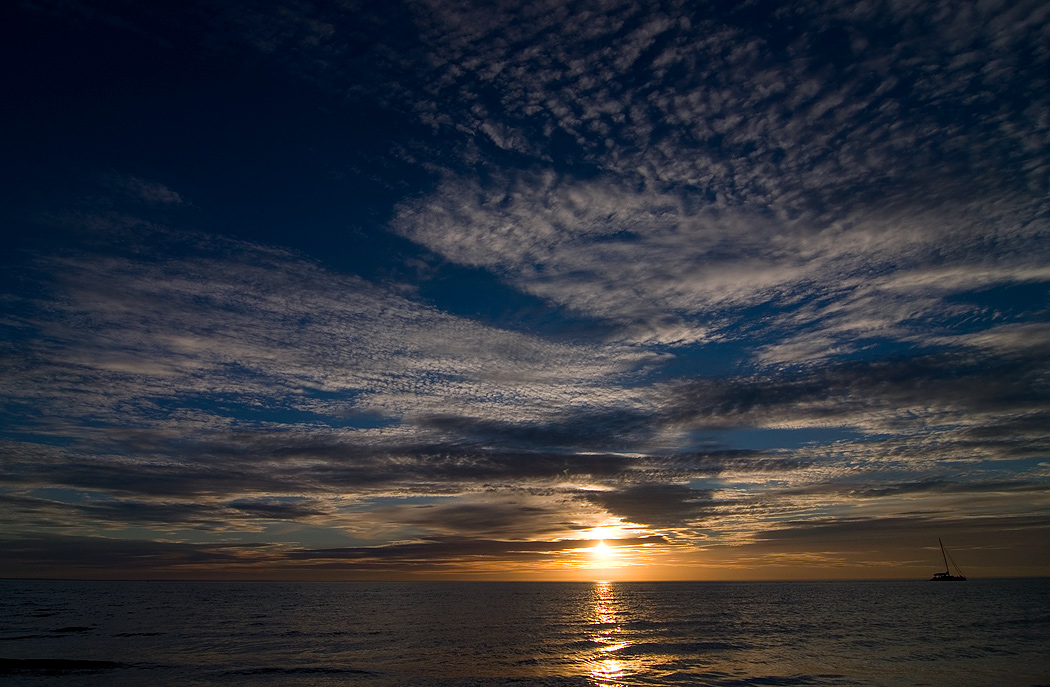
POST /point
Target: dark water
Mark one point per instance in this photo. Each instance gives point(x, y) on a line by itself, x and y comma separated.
point(981, 632)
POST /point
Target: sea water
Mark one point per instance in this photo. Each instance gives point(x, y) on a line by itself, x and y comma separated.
point(980, 632)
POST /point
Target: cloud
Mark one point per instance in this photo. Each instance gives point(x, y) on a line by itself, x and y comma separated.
point(515, 514)
point(202, 385)
point(847, 202)
point(887, 528)
point(686, 167)
point(181, 337)
point(141, 190)
point(455, 549)
point(795, 110)
point(54, 553)
point(655, 505)
point(906, 395)
point(666, 269)
point(843, 165)
point(171, 374)
point(768, 102)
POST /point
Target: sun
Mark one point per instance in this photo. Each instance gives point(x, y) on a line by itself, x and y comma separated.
point(606, 552)
point(602, 555)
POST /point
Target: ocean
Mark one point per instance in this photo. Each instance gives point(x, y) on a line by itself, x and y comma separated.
point(980, 632)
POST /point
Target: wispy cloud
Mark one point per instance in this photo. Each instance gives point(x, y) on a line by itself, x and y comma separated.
point(666, 269)
point(809, 243)
point(236, 386)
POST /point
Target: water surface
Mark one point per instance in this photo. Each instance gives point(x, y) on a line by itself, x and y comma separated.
point(884, 633)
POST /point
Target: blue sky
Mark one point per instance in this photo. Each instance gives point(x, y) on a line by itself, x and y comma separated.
point(454, 290)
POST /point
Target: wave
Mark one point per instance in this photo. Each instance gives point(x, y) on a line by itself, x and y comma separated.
point(299, 670)
point(10, 666)
point(676, 648)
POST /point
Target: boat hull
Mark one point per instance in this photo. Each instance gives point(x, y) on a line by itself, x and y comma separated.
point(942, 577)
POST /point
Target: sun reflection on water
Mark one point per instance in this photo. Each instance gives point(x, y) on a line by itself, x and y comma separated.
point(606, 671)
point(608, 637)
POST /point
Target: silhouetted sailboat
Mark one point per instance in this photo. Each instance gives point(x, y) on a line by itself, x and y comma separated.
point(947, 576)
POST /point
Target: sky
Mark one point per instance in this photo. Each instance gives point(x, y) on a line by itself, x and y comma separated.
point(527, 290)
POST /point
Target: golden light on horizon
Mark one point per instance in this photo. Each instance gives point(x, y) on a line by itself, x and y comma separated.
point(614, 551)
point(605, 555)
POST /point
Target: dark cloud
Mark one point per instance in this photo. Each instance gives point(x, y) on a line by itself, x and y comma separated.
point(504, 518)
point(933, 485)
point(69, 554)
point(454, 549)
point(656, 505)
point(847, 529)
point(585, 429)
point(869, 394)
point(278, 510)
point(279, 463)
point(79, 504)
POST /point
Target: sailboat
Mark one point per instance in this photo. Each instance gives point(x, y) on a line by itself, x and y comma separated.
point(947, 576)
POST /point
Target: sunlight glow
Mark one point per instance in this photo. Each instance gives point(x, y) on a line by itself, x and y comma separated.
point(606, 553)
point(604, 556)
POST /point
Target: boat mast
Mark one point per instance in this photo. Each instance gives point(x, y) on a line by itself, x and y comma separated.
point(944, 556)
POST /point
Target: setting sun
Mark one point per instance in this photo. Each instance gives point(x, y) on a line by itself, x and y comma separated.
point(613, 547)
point(602, 555)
